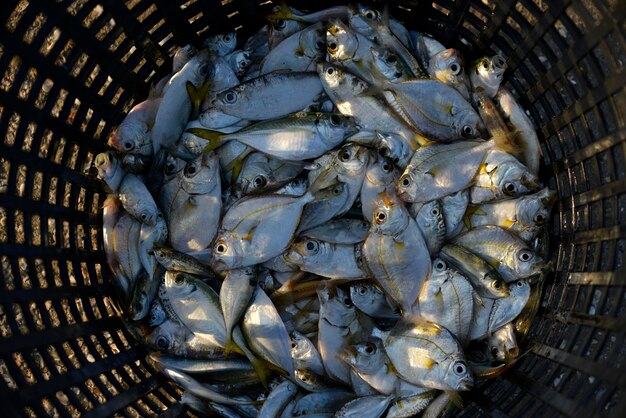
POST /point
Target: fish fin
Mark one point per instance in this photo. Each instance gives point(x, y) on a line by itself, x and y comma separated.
point(471, 211)
point(424, 361)
point(214, 137)
point(248, 236)
point(232, 347)
point(477, 299)
point(455, 398)
point(152, 94)
point(196, 96)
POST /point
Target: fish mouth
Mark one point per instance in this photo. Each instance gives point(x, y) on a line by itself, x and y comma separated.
point(219, 265)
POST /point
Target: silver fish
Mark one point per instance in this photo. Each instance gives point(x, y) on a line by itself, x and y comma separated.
point(298, 52)
point(239, 61)
point(235, 295)
point(280, 396)
point(351, 50)
point(486, 76)
point(175, 260)
point(370, 406)
point(322, 402)
point(326, 259)
point(431, 223)
point(339, 231)
point(281, 29)
point(410, 406)
point(201, 390)
point(262, 173)
point(503, 343)
point(381, 176)
point(134, 134)
point(305, 355)
point(221, 44)
point(369, 361)
point(137, 200)
point(196, 366)
point(454, 206)
point(371, 300)
point(447, 67)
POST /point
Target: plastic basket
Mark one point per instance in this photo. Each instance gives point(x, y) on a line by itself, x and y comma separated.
point(70, 70)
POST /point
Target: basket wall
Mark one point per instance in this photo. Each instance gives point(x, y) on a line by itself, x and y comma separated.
point(70, 70)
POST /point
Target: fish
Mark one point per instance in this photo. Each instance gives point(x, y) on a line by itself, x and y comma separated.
point(269, 96)
point(321, 402)
point(434, 109)
point(262, 173)
point(171, 337)
point(428, 355)
point(289, 13)
point(510, 255)
point(396, 253)
point(266, 333)
point(313, 382)
point(157, 314)
point(235, 294)
point(239, 61)
point(394, 147)
point(503, 344)
point(431, 223)
point(200, 366)
point(522, 126)
point(134, 134)
point(125, 245)
point(337, 322)
point(175, 260)
point(486, 75)
point(300, 136)
point(281, 29)
point(111, 213)
point(137, 200)
point(454, 206)
point(484, 278)
point(436, 171)
point(359, 21)
point(371, 300)
point(176, 104)
point(525, 216)
point(298, 52)
point(447, 299)
point(410, 406)
point(351, 50)
point(439, 407)
point(334, 261)
point(369, 361)
point(221, 44)
point(348, 92)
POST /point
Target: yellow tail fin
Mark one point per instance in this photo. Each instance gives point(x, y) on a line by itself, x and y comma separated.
point(214, 137)
point(196, 95)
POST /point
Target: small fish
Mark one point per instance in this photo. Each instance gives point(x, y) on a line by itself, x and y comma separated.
point(262, 173)
point(134, 134)
point(328, 402)
point(485, 278)
point(137, 200)
point(235, 295)
point(351, 50)
point(380, 177)
point(313, 382)
point(370, 406)
point(388, 66)
point(439, 407)
point(438, 170)
point(157, 314)
point(278, 399)
point(454, 206)
point(511, 256)
point(199, 366)
point(239, 61)
point(431, 223)
point(503, 344)
point(447, 67)
point(339, 231)
point(281, 29)
point(221, 44)
point(410, 406)
point(394, 147)
point(266, 332)
point(427, 355)
point(335, 261)
point(396, 253)
point(369, 361)
point(175, 260)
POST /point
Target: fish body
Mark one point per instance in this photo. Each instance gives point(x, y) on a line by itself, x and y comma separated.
point(369, 361)
point(305, 355)
point(453, 207)
point(137, 200)
point(235, 295)
point(298, 52)
point(370, 406)
point(134, 134)
point(431, 223)
point(381, 176)
point(325, 259)
point(486, 76)
point(280, 396)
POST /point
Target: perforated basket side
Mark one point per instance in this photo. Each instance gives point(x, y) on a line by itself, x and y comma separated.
point(70, 70)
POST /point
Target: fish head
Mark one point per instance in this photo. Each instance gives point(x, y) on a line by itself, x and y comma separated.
point(388, 64)
point(490, 70)
point(201, 175)
point(457, 375)
point(524, 262)
point(303, 252)
point(182, 57)
point(172, 166)
point(157, 314)
point(369, 356)
point(130, 137)
point(313, 41)
point(241, 61)
point(409, 188)
point(390, 215)
point(341, 42)
point(532, 212)
point(167, 336)
point(179, 283)
point(279, 29)
point(394, 147)
point(334, 127)
point(227, 252)
point(330, 75)
point(364, 19)
point(510, 177)
point(107, 165)
point(300, 345)
point(366, 294)
point(336, 306)
point(222, 44)
point(503, 344)
point(351, 159)
point(146, 213)
point(228, 99)
point(447, 66)
point(381, 171)
point(468, 124)
point(430, 216)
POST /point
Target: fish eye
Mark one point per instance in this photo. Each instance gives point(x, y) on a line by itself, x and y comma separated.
point(169, 168)
point(337, 190)
point(243, 64)
point(497, 284)
point(221, 247)
point(370, 14)
point(279, 24)
point(406, 181)
point(362, 290)
point(499, 62)
point(364, 224)
point(335, 120)
point(330, 71)
point(485, 64)
point(460, 368)
point(162, 343)
point(179, 279)
point(347, 302)
point(391, 59)
point(435, 212)
point(344, 156)
point(319, 45)
point(370, 348)
point(524, 255)
point(227, 38)
point(380, 218)
point(494, 351)
point(128, 146)
point(294, 345)
point(467, 131)
point(143, 216)
point(259, 181)
point(138, 306)
point(230, 97)
point(509, 188)
point(455, 68)
point(190, 170)
point(312, 246)
point(440, 265)
point(332, 48)
point(520, 284)
point(539, 219)
point(386, 167)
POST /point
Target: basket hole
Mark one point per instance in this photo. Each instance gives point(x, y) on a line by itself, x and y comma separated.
point(14, 123)
point(93, 15)
point(70, 355)
point(5, 329)
point(69, 317)
point(5, 166)
point(22, 365)
point(95, 391)
point(49, 42)
point(58, 104)
point(27, 84)
point(78, 66)
point(105, 30)
point(11, 72)
point(23, 267)
point(80, 237)
point(16, 15)
point(65, 52)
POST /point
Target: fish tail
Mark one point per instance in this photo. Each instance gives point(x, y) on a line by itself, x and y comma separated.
point(282, 12)
point(231, 347)
point(196, 96)
point(215, 138)
point(262, 370)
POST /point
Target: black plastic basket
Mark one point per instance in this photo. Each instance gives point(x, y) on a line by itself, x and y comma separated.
point(70, 70)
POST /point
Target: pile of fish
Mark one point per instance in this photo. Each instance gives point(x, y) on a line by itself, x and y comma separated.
point(337, 219)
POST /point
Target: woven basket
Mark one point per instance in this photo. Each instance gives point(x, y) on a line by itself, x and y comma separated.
point(70, 71)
